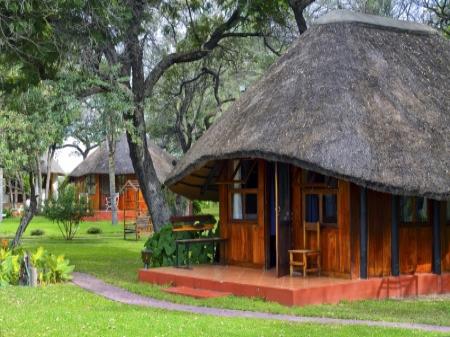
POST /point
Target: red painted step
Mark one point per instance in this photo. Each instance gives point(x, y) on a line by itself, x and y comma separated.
point(196, 292)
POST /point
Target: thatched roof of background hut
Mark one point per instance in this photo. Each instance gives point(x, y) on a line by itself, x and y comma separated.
point(97, 162)
point(357, 97)
point(55, 169)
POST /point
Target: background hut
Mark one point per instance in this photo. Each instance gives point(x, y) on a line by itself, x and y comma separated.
point(92, 178)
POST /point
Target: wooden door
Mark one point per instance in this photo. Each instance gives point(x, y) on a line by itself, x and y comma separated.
point(283, 218)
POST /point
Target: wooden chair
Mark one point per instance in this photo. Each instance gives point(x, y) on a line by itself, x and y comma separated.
point(305, 255)
point(143, 224)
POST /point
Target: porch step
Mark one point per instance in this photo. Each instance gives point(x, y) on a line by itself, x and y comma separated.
point(196, 292)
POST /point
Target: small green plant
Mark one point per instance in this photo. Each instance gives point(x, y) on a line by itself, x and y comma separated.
point(163, 248)
point(37, 232)
point(196, 207)
point(67, 211)
point(50, 268)
point(94, 230)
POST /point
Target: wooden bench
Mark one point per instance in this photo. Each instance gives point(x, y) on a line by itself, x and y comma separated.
point(192, 223)
point(143, 224)
point(188, 242)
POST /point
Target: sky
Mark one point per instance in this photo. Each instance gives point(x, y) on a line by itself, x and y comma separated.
point(68, 158)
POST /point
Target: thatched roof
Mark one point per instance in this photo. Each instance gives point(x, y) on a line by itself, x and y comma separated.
point(97, 162)
point(55, 169)
point(365, 99)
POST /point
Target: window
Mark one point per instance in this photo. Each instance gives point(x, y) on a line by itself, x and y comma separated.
point(413, 210)
point(321, 207)
point(329, 208)
point(244, 190)
point(320, 198)
point(90, 184)
point(105, 184)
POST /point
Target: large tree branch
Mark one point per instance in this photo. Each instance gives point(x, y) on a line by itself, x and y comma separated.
point(195, 55)
point(298, 6)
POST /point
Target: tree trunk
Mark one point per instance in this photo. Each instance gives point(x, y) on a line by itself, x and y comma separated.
point(112, 175)
point(298, 6)
point(29, 214)
point(145, 171)
point(22, 188)
point(50, 155)
point(39, 184)
point(16, 194)
point(11, 193)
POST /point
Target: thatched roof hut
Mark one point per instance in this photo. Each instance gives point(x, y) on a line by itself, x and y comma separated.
point(358, 97)
point(97, 162)
point(55, 169)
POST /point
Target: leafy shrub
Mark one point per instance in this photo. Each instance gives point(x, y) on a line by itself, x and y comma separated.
point(8, 212)
point(37, 232)
point(94, 230)
point(50, 268)
point(163, 248)
point(67, 211)
point(196, 207)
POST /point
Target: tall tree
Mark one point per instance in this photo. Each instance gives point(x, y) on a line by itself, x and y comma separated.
point(30, 122)
point(148, 40)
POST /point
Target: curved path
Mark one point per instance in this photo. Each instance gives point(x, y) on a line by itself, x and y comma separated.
point(99, 287)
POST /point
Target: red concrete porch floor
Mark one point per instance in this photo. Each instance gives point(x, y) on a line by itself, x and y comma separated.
point(296, 290)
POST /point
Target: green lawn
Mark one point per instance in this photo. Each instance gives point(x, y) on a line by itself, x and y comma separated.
point(116, 261)
point(66, 311)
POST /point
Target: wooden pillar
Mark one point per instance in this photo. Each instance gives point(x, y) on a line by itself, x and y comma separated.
point(363, 232)
point(395, 261)
point(436, 265)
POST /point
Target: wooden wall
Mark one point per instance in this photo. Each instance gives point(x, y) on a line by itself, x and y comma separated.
point(379, 233)
point(335, 241)
point(245, 245)
point(339, 245)
point(415, 241)
point(98, 198)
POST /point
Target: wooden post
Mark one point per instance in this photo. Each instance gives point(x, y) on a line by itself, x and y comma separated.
point(363, 232)
point(436, 266)
point(395, 261)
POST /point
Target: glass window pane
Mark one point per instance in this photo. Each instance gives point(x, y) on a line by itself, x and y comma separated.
point(245, 206)
point(105, 184)
point(237, 206)
point(312, 208)
point(406, 209)
point(90, 184)
point(247, 170)
point(251, 207)
point(329, 205)
point(422, 209)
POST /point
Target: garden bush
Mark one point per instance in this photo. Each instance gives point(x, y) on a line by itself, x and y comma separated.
point(49, 268)
point(37, 232)
point(94, 230)
point(67, 211)
point(163, 248)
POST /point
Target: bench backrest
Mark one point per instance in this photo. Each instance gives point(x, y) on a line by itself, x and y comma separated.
point(192, 219)
point(143, 221)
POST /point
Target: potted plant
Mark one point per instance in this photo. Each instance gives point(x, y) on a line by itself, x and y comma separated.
point(146, 255)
